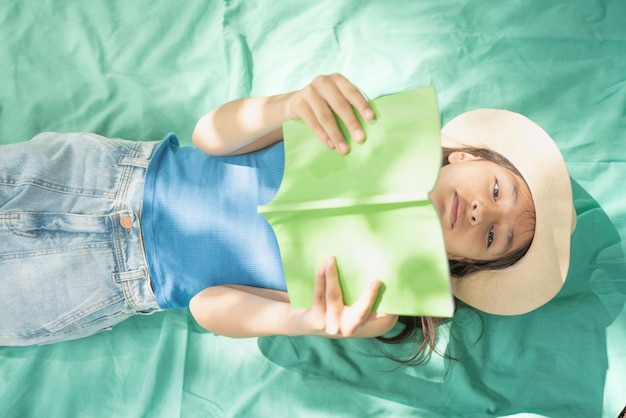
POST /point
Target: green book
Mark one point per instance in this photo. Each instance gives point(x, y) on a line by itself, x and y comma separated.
point(369, 208)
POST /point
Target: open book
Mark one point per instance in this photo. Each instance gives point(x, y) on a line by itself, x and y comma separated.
point(370, 209)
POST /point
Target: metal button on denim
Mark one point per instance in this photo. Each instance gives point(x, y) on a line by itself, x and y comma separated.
point(126, 222)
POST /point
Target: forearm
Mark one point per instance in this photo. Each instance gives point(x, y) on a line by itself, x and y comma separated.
point(242, 125)
point(241, 311)
point(235, 313)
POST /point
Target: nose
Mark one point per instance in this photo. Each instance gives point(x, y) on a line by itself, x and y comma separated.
point(481, 212)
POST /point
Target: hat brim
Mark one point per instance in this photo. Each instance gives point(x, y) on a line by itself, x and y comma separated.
point(539, 275)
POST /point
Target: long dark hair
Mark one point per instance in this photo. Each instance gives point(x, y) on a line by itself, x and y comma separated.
point(423, 330)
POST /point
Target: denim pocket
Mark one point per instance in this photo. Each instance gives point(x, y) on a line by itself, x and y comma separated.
point(33, 224)
point(56, 276)
point(31, 234)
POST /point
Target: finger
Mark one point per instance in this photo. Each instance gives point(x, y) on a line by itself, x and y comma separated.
point(334, 299)
point(343, 99)
point(379, 315)
point(366, 300)
point(360, 311)
point(310, 119)
point(356, 99)
point(319, 293)
point(315, 110)
point(329, 99)
point(344, 110)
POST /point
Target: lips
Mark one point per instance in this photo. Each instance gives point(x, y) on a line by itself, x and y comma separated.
point(455, 211)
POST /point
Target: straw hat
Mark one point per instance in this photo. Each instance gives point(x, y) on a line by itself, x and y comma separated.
point(540, 274)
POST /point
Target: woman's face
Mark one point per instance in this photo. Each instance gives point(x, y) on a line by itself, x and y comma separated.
point(486, 210)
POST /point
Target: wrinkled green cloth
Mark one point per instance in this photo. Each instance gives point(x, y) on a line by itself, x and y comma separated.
point(370, 209)
point(140, 69)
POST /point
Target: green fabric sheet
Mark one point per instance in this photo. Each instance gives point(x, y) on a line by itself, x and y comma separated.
point(140, 69)
point(367, 208)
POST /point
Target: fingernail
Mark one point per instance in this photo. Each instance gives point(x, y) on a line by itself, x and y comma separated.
point(368, 113)
point(343, 148)
point(359, 135)
point(330, 144)
point(330, 260)
point(374, 284)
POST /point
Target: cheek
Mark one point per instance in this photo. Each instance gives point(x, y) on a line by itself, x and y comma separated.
point(453, 243)
point(461, 244)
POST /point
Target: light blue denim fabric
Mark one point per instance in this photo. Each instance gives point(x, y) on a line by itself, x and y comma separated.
point(71, 262)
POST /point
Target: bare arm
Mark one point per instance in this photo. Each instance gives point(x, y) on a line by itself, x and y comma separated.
point(242, 125)
point(249, 124)
point(241, 311)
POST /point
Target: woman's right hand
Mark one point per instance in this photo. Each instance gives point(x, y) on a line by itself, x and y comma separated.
point(316, 103)
point(252, 123)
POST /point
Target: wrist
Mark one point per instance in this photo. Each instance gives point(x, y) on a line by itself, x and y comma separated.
point(296, 325)
point(285, 102)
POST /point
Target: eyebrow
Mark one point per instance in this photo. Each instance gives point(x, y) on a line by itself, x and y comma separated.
point(509, 243)
point(513, 182)
point(511, 235)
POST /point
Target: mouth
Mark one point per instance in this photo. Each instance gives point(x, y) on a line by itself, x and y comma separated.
point(455, 211)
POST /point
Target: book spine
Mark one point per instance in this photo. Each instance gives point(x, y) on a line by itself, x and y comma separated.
point(351, 204)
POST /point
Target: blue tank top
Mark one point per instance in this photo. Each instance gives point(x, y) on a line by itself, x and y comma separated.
point(200, 222)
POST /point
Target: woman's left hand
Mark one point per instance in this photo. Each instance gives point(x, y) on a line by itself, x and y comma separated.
point(330, 317)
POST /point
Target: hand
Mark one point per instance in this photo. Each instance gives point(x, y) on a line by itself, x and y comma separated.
point(316, 102)
point(329, 317)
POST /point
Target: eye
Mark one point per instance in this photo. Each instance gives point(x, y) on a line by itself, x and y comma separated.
point(490, 237)
point(496, 190)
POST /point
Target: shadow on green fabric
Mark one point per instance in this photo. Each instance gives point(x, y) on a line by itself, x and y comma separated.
point(553, 350)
